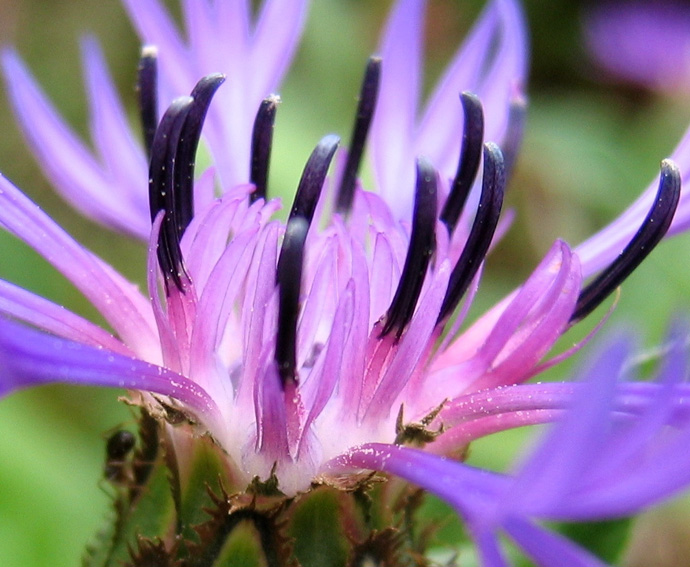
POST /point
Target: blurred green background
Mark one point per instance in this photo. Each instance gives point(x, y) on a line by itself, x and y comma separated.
point(590, 148)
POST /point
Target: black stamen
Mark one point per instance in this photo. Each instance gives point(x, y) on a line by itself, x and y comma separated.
point(147, 85)
point(313, 177)
point(171, 172)
point(289, 280)
point(161, 186)
point(262, 139)
point(482, 232)
point(468, 164)
point(185, 156)
point(422, 246)
point(517, 115)
point(365, 112)
point(651, 231)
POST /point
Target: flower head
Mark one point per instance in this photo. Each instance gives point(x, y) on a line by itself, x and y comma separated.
point(291, 343)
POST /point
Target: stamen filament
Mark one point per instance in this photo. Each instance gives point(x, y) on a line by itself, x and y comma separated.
point(468, 163)
point(422, 246)
point(147, 88)
point(171, 172)
point(482, 232)
point(161, 186)
point(289, 280)
point(185, 156)
point(262, 140)
point(650, 233)
point(313, 178)
point(365, 112)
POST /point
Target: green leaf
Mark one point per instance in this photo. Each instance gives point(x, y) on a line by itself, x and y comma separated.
point(316, 527)
point(207, 471)
point(607, 540)
point(242, 549)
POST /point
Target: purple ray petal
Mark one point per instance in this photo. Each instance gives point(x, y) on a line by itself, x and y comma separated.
point(489, 548)
point(31, 358)
point(119, 301)
point(438, 133)
point(466, 488)
point(394, 121)
point(217, 31)
point(122, 155)
point(156, 27)
point(563, 458)
point(275, 39)
point(491, 71)
point(549, 549)
point(508, 71)
point(65, 159)
point(24, 305)
point(633, 442)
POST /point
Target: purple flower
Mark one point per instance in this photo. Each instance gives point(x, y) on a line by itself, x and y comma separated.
point(643, 43)
point(618, 447)
point(270, 335)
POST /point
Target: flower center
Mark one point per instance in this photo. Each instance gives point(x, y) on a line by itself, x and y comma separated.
point(172, 146)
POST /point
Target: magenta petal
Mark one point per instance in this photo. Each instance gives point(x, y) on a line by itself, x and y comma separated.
point(256, 311)
point(504, 345)
point(321, 382)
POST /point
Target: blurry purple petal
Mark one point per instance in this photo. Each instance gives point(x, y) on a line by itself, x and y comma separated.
point(156, 27)
point(393, 126)
point(646, 43)
point(66, 161)
point(122, 155)
point(466, 488)
point(275, 40)
point(564, 457)
point(548, 548)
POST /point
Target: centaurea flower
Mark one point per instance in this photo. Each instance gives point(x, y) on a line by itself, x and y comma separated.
point(268, 336)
